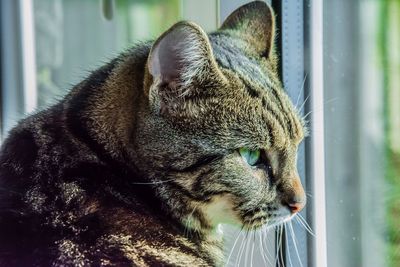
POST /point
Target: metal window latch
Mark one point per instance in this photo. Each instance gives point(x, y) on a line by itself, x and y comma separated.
point(107, 9)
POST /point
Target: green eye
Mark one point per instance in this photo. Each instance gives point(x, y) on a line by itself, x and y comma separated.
point(250, 156)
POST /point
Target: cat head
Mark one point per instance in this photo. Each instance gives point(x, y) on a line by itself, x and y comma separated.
point(219, 133)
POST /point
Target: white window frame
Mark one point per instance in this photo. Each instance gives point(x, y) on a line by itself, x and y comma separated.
point(17, 65)
point(316, 141)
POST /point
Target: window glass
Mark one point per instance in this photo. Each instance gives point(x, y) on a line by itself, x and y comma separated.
point(74, 37)
point(361, 107)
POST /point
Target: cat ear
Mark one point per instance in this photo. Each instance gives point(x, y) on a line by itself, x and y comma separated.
point(182, 59)
point(254, 22)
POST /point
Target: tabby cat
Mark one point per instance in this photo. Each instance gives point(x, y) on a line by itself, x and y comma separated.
point(141, 161)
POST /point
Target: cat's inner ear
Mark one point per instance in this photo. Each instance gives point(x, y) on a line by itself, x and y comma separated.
point(182, 58)
point(255, 23)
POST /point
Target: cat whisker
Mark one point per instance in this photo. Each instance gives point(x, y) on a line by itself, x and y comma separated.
point(276, 248)
point(302, 105)
point(307, 114)
point(188, 222)
point(304, 221)
point(309, 230)
point(10, 191)
point(14, 211)
point(294, 239)
point(282, 261)
point(280, 247)
point(301, 89)
point(288, 250)
point(309, 194)
point(302, 224)
point(279, 256)
point(234, 245)
point(152, 183)
point(261, 248)
point(252, 248)
point(241, 248)
point(320, 108)
point(186, 229)
point(247, 246)
point(262, 239)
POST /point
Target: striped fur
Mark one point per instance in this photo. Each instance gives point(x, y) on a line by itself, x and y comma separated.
point(127, 170)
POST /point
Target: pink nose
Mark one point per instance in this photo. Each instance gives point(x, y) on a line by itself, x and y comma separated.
point(296, 206)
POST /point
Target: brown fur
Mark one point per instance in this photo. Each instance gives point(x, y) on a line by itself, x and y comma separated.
point(140, 162)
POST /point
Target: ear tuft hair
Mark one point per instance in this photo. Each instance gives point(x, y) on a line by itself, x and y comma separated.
point(182, 58)
point(255, 23)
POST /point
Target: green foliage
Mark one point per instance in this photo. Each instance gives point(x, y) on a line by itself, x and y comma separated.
point(386, 28)
point(155, 17)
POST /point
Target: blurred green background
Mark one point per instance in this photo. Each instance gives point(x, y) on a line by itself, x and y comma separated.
point(389, 46)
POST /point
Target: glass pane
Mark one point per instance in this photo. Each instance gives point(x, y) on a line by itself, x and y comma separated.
point(74, 37)
point(362, 118)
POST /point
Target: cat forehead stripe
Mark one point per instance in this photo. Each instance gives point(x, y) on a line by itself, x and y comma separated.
point(232, 57)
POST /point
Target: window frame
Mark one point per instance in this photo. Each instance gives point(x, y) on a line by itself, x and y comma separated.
point(12, 105)
point(300, 37)
point(315, 162)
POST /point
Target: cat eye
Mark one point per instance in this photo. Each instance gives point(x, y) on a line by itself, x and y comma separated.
point(252, 157)
point(257, 158)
